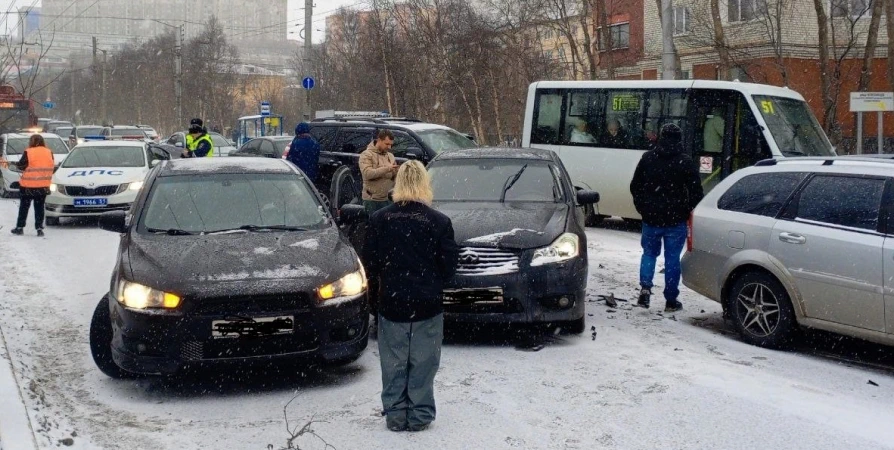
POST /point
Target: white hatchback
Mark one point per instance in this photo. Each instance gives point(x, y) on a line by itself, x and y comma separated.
point(12, 147)
point(99, 176)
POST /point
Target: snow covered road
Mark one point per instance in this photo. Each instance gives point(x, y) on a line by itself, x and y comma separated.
point(645, 381)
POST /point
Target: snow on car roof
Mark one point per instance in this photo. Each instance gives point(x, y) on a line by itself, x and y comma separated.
point(417, 126)
point(226, 165)
point(104, 143)
point(498, 153)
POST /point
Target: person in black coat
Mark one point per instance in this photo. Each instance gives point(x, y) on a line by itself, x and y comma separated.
point(410, 249)
point(666, 188)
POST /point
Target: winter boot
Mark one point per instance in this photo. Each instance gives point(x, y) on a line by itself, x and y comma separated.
point(18, 231)
point(673, 306)
point(645, 296)
point(40, 232)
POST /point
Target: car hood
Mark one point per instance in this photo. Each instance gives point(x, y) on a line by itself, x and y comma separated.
point(505, 225)
point(99, 176)
point(261, 263)
point(57, 158)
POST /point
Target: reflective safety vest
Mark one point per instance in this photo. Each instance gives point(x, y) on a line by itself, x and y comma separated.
point(39, 173)
point(193, 143)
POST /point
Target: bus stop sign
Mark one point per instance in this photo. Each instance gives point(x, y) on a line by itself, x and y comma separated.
point(265, 108)
point(308, 83)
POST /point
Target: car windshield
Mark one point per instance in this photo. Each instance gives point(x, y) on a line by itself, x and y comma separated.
point(442, 140)
point(63, 131)
point(54, 125)
point(128, 132)
point(89, 131)
point(15, 146)
point(793, 126)
point(255, 201)
point(485, 180)
point(219, 141)
point(105, 157)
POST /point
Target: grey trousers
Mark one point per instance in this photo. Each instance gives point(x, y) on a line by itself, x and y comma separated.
point(410, 353)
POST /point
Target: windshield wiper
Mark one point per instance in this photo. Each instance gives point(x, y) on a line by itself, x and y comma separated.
point(170, 231)
point(510, 182)
point(260, 228)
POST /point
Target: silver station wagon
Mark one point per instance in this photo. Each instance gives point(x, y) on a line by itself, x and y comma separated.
point(799, 242)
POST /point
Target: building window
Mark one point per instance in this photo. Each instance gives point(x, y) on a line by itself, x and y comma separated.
point(618, 35)
point(743, 10)
point(562, 53)
point(548, 34)
point(681, 20)
point(850, 8)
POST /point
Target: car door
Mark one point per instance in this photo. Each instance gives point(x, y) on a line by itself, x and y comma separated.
point(351, 142)
point(402, 142)
point(267, 149)
point(888, 254)
point(829, 239)
point(251, 148)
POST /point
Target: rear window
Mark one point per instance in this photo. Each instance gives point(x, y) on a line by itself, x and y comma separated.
point(127, 132)
point(89, 131)
point(762, 194)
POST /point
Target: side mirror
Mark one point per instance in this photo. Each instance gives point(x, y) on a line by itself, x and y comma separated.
point(585, 197)
point(470, 136)
point(415, 153)
point(113, 221)
point(351, 214)
point(154, 162)
point(178, 144)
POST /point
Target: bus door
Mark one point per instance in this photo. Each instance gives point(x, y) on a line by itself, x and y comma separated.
point(712, 114)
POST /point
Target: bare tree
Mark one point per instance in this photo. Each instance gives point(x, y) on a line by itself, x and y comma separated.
point(871, 42)
point(23, 65)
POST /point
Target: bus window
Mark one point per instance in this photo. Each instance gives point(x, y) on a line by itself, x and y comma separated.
point(624, 111)
point(583, 117)
point(547, 118)
point(665, 106)
point(793, 126)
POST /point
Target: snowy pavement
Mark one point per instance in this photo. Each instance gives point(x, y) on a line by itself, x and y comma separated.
point(645, 381)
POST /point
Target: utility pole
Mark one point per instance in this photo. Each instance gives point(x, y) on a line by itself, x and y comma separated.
point(178, 73)
point(308, 49)
point(102, 108)
point(668, 54)
point(71, 100)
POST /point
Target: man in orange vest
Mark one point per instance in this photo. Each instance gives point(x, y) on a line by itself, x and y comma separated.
point(37, 173)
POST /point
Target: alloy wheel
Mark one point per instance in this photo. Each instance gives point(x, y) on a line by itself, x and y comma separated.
point(758, 310)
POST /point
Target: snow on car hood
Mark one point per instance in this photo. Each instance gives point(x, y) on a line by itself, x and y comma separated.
point(57, 158)
point(226, 264)
point(99, 176)
point(506, 225)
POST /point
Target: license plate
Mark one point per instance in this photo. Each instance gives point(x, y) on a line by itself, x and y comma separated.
point(476, 296)
point(88, 202)
point(252, 327)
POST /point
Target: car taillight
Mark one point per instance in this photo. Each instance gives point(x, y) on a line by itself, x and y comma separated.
point(689, 234)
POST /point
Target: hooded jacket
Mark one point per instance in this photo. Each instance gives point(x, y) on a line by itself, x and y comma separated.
point(304, 152)
point(378, 178)
point(666, 186)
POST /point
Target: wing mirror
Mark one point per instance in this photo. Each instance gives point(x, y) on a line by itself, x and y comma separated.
point(585, 197)
point(350, 214)
point(113, 221)
point(415, 153)
point(178, 144)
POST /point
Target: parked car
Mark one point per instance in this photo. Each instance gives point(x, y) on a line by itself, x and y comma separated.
point(799, 242)
point(222, 146)
point(12, 147)
point(80, 132)
point(125, 132)
point(518, 220)
point(153, 135)
point(343, 139)
point(100, 176)
point(266, 147)
point(50, 127)
point(268, 278)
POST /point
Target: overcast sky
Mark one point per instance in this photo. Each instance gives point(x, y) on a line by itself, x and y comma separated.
point(296, 14)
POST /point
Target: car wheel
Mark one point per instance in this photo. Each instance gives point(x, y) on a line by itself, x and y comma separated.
point(762, 311)
point(51, 221)
point(101, 341)
point(344, 188)
point(591, 219)
point(4, 193)
point(573, 326)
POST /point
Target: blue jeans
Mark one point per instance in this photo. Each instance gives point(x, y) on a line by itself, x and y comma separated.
point(674, 239)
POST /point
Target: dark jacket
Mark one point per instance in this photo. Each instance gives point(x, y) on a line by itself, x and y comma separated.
point(29, 192)
point(666, 186)
point(304, 151)
point(410, 249)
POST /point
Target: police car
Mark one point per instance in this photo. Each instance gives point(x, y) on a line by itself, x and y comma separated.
point(100, 176)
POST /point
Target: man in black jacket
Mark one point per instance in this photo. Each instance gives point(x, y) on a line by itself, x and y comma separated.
point(666, 188)
point(410, 249)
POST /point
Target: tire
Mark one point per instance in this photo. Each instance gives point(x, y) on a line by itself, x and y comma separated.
point(762, 310)
point(51, 221)
point(101, 342)
point(343, 189)
point(574, 326)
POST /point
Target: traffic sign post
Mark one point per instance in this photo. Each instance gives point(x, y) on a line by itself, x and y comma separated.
point(265, 108)
point(308, 83)
point(879, 102)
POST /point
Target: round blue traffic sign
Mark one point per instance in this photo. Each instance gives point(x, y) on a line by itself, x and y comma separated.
point(308, 83)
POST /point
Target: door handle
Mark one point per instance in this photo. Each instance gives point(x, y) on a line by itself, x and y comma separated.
point(790, 238)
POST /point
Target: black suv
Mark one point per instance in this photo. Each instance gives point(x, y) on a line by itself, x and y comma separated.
point(269, 277)
point(343, 139)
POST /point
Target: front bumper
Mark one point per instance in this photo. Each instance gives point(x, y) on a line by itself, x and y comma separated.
point(153, 342)
point(529, 296)
point(59, 205)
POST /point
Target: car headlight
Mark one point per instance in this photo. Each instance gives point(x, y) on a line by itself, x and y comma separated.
point(57, 188)
point(567, 246)
point(137, 296)
point(350, 285)
point(135, 186)
point(15, 168)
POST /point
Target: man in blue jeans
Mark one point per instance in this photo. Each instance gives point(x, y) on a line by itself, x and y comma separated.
point(666, 188)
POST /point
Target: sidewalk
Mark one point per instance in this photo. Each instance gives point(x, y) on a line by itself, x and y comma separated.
point(15, 426)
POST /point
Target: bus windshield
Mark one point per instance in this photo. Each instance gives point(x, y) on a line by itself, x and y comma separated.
point(793, 126)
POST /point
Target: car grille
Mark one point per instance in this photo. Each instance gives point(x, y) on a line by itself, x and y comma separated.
point(80, 191)
point(252, 305)
point(486, 261)
point(89, 210)
point(243, 347)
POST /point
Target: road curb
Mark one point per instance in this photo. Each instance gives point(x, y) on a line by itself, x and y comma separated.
point(15, 424)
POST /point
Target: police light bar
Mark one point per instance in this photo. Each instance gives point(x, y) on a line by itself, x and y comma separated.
point(94, 138)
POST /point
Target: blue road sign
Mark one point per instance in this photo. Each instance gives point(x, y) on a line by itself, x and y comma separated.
point(265, 108)
point(49, 105)
point(308, 83)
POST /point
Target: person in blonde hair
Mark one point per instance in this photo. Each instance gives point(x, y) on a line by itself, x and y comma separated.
point(410, 249)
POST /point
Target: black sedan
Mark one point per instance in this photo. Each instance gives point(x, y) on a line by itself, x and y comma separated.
point(223, 260)
point(265, 147)
point(524, 250)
